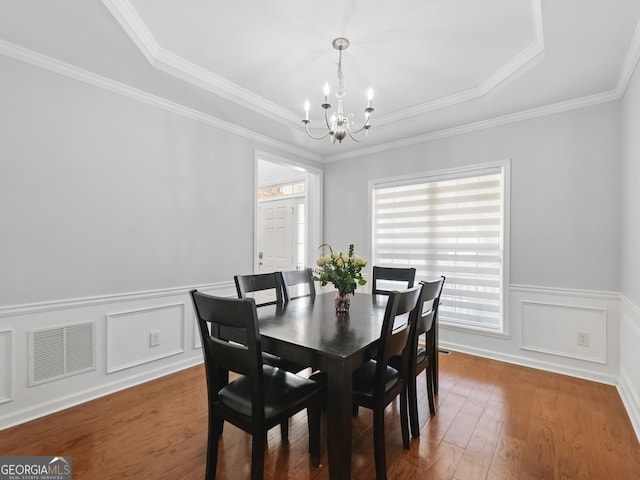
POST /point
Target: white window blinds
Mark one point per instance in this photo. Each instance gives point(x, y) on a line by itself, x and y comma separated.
point(449, 226)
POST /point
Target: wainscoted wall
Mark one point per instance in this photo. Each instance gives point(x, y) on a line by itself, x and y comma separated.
point(573, 332)
point(138, 337)
point(629, 383)
point(145, 335)
point(544, 331)
point(6, 371)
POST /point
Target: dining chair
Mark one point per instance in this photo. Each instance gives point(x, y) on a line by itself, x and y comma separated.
point(262, 396)
point(421, 359)
point(273, 284)
point(401, 278)
point(376, 384)
point(301, 279)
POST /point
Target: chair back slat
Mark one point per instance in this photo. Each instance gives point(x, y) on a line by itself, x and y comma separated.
point(294, 278)
point(392, 274)
point(261, 282)
point(429, 303)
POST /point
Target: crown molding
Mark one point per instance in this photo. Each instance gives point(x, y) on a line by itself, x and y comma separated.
point(149, 49)
point(560, 107)
point(65, 69)
point(506, 74)
point(177, 66)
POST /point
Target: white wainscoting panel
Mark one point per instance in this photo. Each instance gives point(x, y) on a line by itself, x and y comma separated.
point(543, 325)
point(629, 384)
point(129, 336)
point(554, 329)
point(6, 366)
point(123, 323)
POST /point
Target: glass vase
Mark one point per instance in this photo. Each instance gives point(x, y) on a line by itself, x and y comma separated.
point(343, 302)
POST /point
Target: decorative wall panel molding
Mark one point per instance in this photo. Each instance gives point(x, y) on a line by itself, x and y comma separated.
point(145, 335)
point(6, 366)
point(567, 330)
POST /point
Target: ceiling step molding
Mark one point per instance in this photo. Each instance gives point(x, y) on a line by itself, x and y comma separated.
point(179, 67)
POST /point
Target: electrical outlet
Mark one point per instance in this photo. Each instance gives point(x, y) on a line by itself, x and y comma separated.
point(583, 339)
point(154, 339)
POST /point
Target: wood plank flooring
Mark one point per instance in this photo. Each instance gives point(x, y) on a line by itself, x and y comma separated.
point(493, 421)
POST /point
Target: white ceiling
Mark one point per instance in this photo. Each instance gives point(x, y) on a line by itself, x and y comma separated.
point(438, 67)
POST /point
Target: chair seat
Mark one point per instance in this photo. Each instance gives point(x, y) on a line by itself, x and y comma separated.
point(284, 391)
point(421, 356)
point(364, 379)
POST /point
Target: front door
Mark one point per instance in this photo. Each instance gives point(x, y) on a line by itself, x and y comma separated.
point(276, 235)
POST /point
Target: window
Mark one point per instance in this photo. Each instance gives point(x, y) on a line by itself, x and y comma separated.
point(288, 189)
point(450, 224)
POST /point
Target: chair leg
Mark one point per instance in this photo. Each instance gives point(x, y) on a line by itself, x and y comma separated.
point(313, 422)
point(284, 430)
point(430, 391)
point(378, 444)
point(257, 456)
point(404, 421)
point(212, 455)
point(413, 406)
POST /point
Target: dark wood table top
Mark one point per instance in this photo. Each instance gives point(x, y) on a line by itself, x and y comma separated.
point(315, 327)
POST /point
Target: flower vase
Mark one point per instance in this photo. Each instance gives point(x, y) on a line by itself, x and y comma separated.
point(343, 302)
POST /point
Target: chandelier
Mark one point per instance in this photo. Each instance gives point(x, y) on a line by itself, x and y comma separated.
point(339, 124)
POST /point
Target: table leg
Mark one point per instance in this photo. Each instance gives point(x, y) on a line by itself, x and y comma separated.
point(339, 420)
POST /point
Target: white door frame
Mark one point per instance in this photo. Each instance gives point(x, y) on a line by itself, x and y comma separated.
point(313, 204)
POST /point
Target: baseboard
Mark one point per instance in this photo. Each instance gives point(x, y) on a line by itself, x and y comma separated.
point(631, 404)
point(531, 363)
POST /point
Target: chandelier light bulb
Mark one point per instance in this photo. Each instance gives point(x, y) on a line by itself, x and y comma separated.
point(307, 107)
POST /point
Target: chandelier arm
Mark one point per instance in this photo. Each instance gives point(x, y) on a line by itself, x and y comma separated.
point(306, 127)
point(326, 121)
point(366, 134)
point(365, 126)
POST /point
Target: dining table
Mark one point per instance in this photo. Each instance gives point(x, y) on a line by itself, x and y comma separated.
point(310, 332)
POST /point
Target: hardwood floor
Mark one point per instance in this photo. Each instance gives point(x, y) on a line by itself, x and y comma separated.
point(493, 421)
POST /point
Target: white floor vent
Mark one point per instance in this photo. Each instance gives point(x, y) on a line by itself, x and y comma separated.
point(61, 352)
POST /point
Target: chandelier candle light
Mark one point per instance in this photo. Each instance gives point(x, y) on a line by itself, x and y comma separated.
point(340, 124)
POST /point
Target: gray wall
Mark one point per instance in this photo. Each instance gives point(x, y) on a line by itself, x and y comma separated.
point(565, 200)
point(104, 195)
point(111, 209)
point(630, 266)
